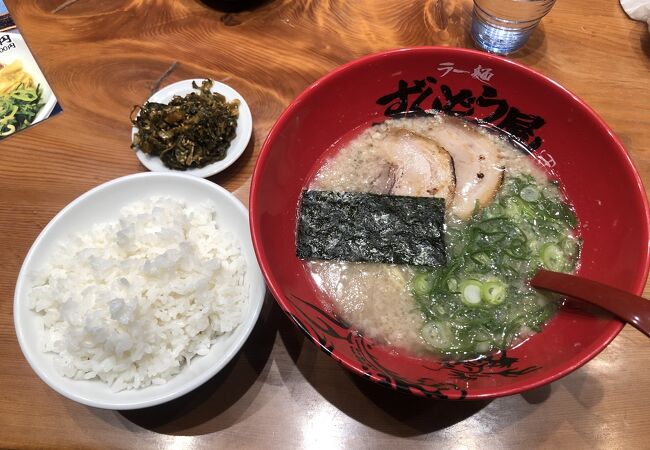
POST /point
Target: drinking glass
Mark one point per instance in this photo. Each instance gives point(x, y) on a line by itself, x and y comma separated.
point(504, 26)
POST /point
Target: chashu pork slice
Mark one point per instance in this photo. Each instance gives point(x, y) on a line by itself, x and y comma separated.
point(415, 166)
point(477, 163)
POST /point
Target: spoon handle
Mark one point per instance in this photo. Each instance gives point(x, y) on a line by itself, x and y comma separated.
point(629, 307)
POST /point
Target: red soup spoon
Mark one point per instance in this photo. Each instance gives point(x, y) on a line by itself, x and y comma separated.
point(631, 308)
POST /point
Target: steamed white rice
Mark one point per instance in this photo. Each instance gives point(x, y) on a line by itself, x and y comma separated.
point(131, 302)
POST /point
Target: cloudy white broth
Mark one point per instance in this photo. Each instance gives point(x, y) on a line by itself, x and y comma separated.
point(504, 219)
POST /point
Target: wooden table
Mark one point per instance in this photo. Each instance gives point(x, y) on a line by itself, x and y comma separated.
point(281, 391)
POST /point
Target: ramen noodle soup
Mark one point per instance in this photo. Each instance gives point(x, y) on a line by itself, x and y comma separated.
point(504, 219)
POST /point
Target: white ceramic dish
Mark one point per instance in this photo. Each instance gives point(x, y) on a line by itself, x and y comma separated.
point(21, 51)
point(102, 204)
point(237, 146)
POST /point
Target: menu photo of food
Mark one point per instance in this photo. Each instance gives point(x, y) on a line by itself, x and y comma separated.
point(25, 96)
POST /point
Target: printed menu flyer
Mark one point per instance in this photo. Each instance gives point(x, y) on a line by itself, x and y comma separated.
point(25, 96)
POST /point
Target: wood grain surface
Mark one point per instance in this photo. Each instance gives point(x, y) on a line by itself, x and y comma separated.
point(102, 57)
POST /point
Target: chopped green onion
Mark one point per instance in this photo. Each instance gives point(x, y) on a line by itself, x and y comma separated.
point(483, 347)
point(470, 292)
point(481, 301)
point(437, 334)
point(530, 194)
point(422, 284)
point(494, 292)
point(481, 258)
point(552, 257)
point(516, 208)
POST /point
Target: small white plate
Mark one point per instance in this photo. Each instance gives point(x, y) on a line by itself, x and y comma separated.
point(103, 204)
point(237, 146)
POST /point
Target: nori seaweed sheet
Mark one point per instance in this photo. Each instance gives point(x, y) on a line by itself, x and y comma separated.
point(359, 226)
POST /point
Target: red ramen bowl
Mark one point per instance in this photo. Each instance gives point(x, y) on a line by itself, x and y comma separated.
point(565, 136)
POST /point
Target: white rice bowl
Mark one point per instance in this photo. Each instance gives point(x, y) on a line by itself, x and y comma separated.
point(206, 355)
